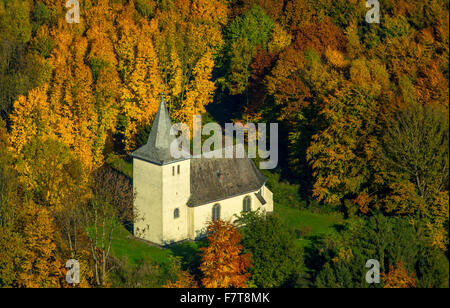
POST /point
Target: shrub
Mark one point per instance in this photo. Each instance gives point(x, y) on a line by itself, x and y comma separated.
point(302, 231)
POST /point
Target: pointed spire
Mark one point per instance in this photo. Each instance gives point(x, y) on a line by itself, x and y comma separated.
point(160, 136)
point(157, 149)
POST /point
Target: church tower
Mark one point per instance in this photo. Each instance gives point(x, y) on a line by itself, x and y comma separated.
point(161, 184)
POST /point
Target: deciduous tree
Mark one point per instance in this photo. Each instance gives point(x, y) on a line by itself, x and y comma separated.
point(398, 277)
point(224, 264)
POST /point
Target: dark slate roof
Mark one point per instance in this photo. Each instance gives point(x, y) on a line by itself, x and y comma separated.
point(157, 149)
point(215, 179)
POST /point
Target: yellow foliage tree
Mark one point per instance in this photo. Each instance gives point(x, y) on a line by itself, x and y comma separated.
point(31, 116)
point(143, 85)
point(280, 39)
point(62, 174)
point(199, 92)
point(41, 266)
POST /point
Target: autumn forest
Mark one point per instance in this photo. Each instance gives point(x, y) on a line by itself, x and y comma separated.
point(363, 115)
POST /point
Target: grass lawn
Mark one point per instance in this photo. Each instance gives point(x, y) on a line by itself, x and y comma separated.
point(123, 246)
point(319, 223)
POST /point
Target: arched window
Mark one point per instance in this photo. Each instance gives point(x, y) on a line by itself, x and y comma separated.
point(176, 213)
point(216, 211)
point(246, 204)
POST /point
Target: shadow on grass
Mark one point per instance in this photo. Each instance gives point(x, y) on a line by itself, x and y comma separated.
point(314, 255)
point(129, 226)
point(339, 227)
point(189, 252)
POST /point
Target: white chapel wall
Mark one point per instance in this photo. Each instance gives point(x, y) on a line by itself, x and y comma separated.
point(202, 214)
point(147, 180)
point(176, 192)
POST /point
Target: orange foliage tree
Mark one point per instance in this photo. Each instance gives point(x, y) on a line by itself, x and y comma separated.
point(223, 263)
point(185, 280)
point(398, 277)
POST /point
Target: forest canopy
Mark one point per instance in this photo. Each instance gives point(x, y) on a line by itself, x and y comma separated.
point(363, 111)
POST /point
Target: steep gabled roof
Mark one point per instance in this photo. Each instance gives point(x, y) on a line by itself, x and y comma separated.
point(157, 149)
point(215, 179)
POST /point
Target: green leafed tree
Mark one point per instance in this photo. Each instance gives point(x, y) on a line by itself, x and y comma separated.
point(277, 260)
point(417, 143)
point(243, 35)
point(388, 240)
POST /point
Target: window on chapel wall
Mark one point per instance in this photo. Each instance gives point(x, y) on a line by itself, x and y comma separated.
point(216, 211)
point(176, 213)
point(246, 204)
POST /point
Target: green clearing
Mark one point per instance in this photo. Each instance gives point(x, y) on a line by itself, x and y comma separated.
point(318, 223)
point(123, 246)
